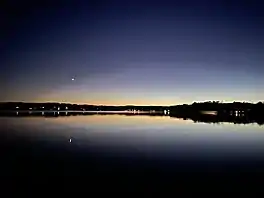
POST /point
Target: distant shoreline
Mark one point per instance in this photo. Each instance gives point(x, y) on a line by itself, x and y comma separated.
point(236, 109)
point(194, 116)
point(75, 111)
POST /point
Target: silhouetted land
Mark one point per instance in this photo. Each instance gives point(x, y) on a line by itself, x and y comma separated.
point(240, 113)
point(206, 118)
point(209, 112)
point(221, 108)
point(74, 107)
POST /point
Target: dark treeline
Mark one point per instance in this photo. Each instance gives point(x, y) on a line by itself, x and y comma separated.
point(215, 112)
point(74, 107)
point(210, 112)
point(220, 108)
point(195, 117)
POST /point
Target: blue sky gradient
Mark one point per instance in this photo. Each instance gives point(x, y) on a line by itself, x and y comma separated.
point(140, 52)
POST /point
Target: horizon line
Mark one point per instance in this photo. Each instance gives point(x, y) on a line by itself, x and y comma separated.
point(219, 101)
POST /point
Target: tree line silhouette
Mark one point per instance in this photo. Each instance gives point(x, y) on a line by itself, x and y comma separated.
point(236, 112)
point(221, 108)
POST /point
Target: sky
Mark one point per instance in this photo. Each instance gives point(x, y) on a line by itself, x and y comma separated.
point(132, 52)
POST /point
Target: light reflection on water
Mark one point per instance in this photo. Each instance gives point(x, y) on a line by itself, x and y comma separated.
point(146, 134)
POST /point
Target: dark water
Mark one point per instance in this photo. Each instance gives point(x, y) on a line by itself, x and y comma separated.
point(125, 153)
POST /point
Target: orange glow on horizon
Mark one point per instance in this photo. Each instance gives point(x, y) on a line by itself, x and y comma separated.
point(128, 103)
point(113, 102)
point(121, 100)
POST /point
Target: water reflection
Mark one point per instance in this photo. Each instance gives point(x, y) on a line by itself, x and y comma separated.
point(153, 135)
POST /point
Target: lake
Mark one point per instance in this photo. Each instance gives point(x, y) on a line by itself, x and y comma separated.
point(122, 146)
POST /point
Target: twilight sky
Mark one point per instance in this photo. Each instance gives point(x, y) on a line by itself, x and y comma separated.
point(132, 52)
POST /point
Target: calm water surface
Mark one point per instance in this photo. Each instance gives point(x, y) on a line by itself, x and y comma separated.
point(148, 136)
point(118, 153)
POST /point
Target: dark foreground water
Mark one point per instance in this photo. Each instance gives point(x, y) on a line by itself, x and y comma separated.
point(125, 153)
